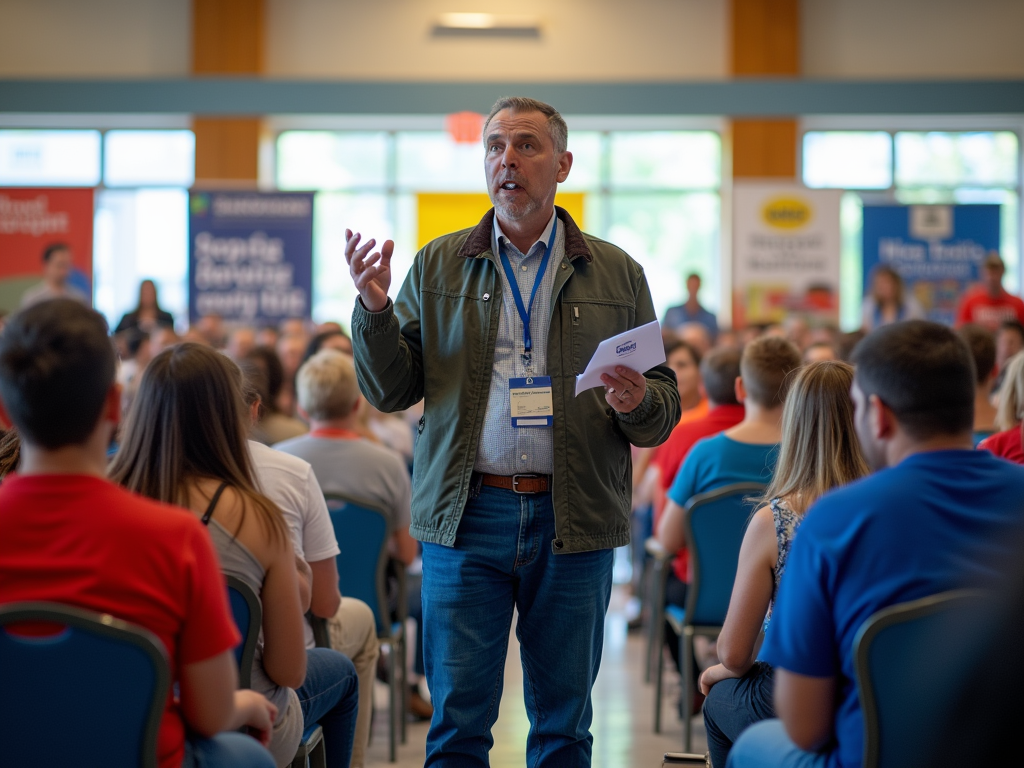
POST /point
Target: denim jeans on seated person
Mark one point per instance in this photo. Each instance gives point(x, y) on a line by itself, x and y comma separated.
point(330, 696)
point(503, 560)
point(226, 750)
point(734, 705)
point(766, 745)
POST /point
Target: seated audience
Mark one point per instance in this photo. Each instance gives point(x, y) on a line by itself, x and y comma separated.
point(289, 482)
point(888, 301)
point(344, 462)
point(211, 329)
point(1007, 443)
point(982, 344)
point(819, 351)
point(989, 304)
point(819, 451)
point(136, 357)
point(329, 339)
point(240, 343)
point(743, 453)
point(291, 348)
point(67, 535)
point(274, 425)
point(147, 315)
point(184, 442)
point(1009, 341)
point(936, 516)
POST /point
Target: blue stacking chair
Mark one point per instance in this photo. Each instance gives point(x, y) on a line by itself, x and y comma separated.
point(363, 531)
point(715, 523)
point(248, 614)
point(93, 694)
point(910, 660)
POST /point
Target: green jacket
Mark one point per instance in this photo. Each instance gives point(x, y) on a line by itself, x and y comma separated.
point(436, 342)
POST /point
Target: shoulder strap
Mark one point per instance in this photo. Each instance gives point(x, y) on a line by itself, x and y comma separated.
point(213, 503)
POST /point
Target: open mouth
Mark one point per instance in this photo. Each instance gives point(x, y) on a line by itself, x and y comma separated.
point(510, 186)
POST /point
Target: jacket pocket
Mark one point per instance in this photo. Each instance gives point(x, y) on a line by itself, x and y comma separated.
point(592, 322)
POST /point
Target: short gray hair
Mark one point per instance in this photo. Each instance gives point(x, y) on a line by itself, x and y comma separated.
point(556, 124)
point(326, 386)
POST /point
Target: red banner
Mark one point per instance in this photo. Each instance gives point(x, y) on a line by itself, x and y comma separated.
point(33, 218)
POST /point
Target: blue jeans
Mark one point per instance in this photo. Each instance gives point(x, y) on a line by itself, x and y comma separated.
point(766, 745)
point(330, 696)
point(226, 750)
point(734, 705)
point(502, 560)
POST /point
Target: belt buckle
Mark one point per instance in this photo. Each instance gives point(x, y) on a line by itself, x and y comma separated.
point(515, 483)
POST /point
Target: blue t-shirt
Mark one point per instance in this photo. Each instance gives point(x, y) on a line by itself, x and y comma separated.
point(676, 317)
point(937, 521)
point(720, 460)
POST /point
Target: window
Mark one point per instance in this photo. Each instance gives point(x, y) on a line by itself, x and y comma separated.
point(848, 159)
point(50, 158)
point(915, 167)
point(149, 158)
point(653, 193)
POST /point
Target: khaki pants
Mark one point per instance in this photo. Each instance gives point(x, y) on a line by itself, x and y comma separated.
point(353, 632)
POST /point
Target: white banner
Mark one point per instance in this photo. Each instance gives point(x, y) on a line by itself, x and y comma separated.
point(785, 253)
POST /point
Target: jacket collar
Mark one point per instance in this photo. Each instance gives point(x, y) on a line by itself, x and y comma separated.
point(479, 240)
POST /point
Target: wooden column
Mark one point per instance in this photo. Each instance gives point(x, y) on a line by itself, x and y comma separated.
point(765, 43)
point(227, 39)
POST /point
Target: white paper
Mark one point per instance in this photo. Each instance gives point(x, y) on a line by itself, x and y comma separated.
point(640, 349)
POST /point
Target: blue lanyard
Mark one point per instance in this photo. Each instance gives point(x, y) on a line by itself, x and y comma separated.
point(524, 311)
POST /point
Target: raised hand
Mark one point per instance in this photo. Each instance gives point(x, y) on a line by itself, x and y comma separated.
point(371, 272)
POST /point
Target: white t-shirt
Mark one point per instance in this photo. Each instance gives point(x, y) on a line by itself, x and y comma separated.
point(289, 482)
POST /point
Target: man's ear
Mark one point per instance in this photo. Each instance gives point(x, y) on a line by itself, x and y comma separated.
point(112, 406)
point(740, 390)
point(564, 166)
point(883, 420)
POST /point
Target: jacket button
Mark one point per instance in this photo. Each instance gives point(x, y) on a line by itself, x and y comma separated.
point(564, 265)
point(559, 544)
point(487, 297)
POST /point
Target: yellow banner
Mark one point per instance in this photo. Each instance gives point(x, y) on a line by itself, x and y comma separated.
point(440, 213)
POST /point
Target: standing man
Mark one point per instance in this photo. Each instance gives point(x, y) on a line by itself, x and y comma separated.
point(691, 311)
point(57, 265)
point(989, 304)
point(513, 517)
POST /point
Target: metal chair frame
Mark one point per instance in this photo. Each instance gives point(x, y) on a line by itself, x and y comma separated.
point(105, 625)
point(386, 633)
point(686, 629)
point(877, 623)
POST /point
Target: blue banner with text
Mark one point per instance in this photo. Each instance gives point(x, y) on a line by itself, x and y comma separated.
point(936, 249)
point(250, 256)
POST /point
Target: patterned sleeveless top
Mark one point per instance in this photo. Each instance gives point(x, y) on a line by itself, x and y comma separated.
point(786, 523)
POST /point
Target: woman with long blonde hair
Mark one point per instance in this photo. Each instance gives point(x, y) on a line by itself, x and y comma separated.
point(185, 443)
point(819, 452)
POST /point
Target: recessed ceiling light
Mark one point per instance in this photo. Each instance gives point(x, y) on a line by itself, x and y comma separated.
point(485, 25)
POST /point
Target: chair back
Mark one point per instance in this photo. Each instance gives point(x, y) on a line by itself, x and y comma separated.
point(715, 523)
point(911, 660)
point(91, 694)
point(362, 530)
point(247, 611)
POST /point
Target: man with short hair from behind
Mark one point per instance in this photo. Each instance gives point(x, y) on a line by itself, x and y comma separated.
point(67, 535)
point(743, 453)
point(57, 265)
point(935, 516)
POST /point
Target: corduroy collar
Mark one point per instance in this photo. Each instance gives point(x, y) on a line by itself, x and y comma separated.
point(479, 240)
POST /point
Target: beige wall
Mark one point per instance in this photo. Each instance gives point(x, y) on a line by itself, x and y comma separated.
point(581, 40)
point(94, 38)
point(875, 39)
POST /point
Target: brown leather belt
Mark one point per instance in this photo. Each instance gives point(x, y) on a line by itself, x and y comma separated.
point(518, 483)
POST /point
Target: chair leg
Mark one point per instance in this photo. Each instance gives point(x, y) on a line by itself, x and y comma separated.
point(318, 757)
point(658, 674)
point(655, 617)
point(686, 654)
point(393, 699)
point(404, 685)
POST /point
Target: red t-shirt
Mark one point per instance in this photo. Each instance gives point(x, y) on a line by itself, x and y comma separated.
point(83, 541)
point(670, 455)
point(981, 308)
point(1006, 445)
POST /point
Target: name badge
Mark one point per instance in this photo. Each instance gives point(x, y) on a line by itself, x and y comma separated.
point(530, 401)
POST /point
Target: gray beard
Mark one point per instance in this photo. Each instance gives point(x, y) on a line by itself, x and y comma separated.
point(513, 212)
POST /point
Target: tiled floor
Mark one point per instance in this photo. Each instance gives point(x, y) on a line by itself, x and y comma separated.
point(623, 711)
